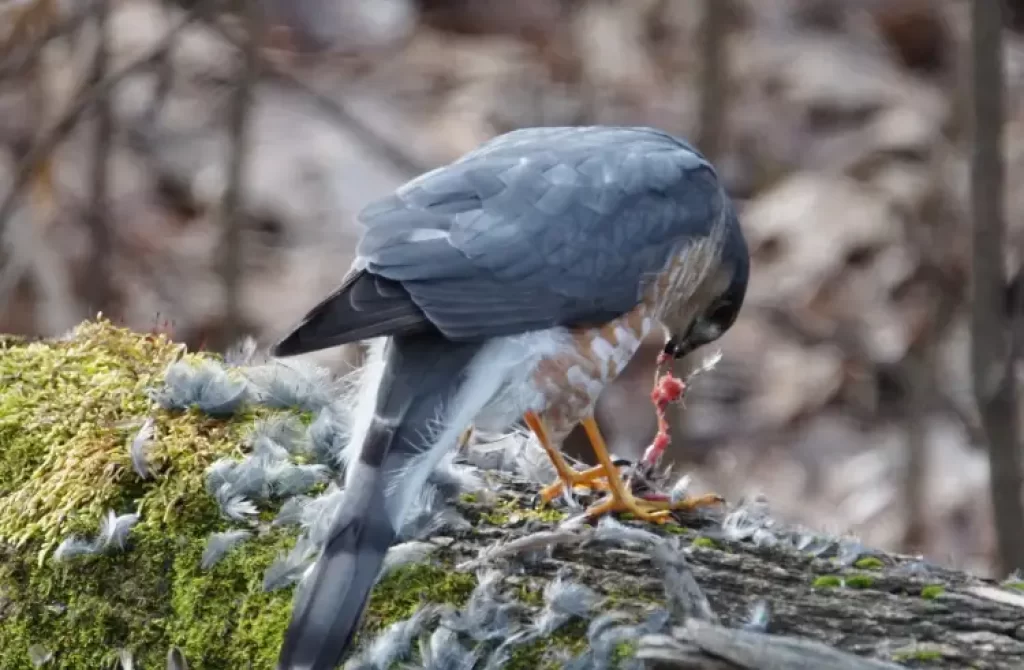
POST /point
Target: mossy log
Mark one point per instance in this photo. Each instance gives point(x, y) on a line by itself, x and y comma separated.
point(87, 439)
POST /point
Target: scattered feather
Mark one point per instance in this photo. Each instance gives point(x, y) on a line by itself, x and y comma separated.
point(176, 659)
point(265, 449)
point(289, 568)
point(543, 540)
point(563, 601)
point(607, 631)
point(319, 513)
point(291, 511)
point(114, 530)
point(678, 491)
point(394, 643)
point(289, 479)
point(219, 473)
point(406, 553)
point(140, 446)
point(252, 479)
point(73, 546)
point(284, 430)
point(751, 522)
point(328, 436)
point(113, 534)
point(760, 617)
point(707, 365)
point(430, 514)
point(39, 655)
point(611, 530)
point(219, 544)
point(454, 478)
point(683, 595)
point(486, 616)
point(295, 384)
point(235, 507)
point(850, 550)
point(443, 651)
point(206, 386)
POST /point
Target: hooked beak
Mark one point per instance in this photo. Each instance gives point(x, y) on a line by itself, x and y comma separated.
point(677, 348)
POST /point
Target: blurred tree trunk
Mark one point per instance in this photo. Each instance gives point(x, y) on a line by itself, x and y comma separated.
point(100, 288)
point(992, 351)
point(232, 254)
point(713, 78)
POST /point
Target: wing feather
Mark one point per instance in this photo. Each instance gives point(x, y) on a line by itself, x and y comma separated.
point(536, 228)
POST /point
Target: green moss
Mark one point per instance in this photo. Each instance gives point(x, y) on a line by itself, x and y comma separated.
point(923, 655)
point(827, 582)
point(673, 528)
point(1019, 586)
point(468, 498)
point(530, 596)
point(68, 410)
point(932, 591)
point(869, 563)
point(510, 509)
point(146, 599)
point(859, 581)
point(705, 543)
point(399, 594)
point(544, 654)
point(623, 651)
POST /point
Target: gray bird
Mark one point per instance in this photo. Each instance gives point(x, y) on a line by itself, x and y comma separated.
point(514, 283)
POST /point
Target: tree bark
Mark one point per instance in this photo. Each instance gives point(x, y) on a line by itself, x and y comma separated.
point(871, 605)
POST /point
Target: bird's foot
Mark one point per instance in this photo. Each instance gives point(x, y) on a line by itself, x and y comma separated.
point(595, 478)
point(653, 508)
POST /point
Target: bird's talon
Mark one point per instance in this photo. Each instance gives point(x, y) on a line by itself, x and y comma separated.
point(638, 508)
point(685, 505)
point(594, 478)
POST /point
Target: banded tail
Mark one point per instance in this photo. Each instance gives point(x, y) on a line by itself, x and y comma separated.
point(422, 374)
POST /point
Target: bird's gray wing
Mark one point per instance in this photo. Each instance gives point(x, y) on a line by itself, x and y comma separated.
point(536, 228)
point(556, 228)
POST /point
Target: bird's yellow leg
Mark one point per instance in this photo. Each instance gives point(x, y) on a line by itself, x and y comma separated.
point(567, 477)
point(621, 499)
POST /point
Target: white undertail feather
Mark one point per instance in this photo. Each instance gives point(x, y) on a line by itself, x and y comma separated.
point(495, 392)
point(363, 400)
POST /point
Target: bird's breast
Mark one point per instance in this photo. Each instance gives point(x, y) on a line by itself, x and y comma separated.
point(570, 380)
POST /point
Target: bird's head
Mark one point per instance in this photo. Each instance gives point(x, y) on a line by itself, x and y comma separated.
point(714, 320)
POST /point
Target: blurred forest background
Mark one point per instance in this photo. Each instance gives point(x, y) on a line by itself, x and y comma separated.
point(197, 166)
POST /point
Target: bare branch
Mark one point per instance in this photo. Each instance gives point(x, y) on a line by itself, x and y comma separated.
point(37, 156)
point(233, 210)
point(995, 387)
point(17, 57)
point(100, 289)
point(374, 141)
point(714, 72)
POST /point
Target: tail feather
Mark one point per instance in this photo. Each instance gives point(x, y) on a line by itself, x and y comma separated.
point(421, 375)
point(331, 600)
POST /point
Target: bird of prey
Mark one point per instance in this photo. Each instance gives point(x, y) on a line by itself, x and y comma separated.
point(511, 284)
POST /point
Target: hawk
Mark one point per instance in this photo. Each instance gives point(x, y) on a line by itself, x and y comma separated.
point(512, 284)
